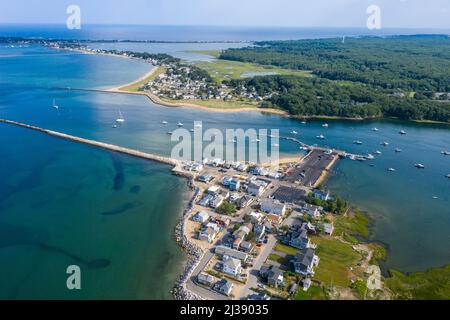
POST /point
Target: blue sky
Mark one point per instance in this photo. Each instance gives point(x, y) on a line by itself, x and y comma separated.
point(283, 13)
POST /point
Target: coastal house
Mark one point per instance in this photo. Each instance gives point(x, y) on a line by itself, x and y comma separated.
point(224, 286)
point(225, 251)
point(207, 234)
point(274, 219)
point(206, 279)
point(299, 239)
point(201, 216)
point(255, 217)
point(256, 187)
point(222, 221)
point(259, 230)
point(205, 201)
point(311, 210)
point(273, 207)
point(246, 246)
point(213, 226)
point(275, 277)
point(216, 202)
point(235, 185)
point(328, 228)
point(306, 284)
point(231, 266)
point(206, 177)
point(322, 195)
point(244, 202)
point(226, 181)
point(304, 262)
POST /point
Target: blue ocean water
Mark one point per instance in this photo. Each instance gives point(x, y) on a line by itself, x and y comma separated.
point(59, 198)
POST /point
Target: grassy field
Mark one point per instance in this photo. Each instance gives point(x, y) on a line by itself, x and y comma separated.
point(212, 53)
point(220, 104)
point(279, 259)
point(225, 69)
point(285, 249)
point(429, 285)
point(136, 85)
point(352, 225)
point(335, 259)
point(313, 293)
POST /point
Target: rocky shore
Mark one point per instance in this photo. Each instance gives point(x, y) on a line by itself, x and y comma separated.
point(193, 252)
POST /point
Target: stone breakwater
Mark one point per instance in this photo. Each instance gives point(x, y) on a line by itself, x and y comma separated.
point(193, 252)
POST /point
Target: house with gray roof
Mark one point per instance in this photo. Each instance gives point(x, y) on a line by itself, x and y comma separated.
point(304, 262)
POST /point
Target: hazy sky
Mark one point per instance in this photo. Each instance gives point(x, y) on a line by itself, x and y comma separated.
point(300, 13)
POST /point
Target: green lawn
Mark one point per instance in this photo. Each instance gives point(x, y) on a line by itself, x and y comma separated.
point(281, 260)
point(225, 69)
point(313, 293)
point(285, 249)
point(335, 259)
point(212, 53)
point(357, 224)
point(430, 285)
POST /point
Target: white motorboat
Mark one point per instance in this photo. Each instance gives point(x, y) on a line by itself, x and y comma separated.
point(321, 137)
point(120, 119)
point(419, 166)
point(402, 132)
point(55, 106)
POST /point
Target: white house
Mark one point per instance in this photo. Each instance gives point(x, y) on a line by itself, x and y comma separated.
point(273, 207)
point(312, 210)
point(201, 216)
point(207, 234)
point(231, 266)
point(256, 187)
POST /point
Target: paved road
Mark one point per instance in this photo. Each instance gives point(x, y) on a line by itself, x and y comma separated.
point(252, 281)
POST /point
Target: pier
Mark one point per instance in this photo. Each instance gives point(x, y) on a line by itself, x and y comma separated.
point(177, 168)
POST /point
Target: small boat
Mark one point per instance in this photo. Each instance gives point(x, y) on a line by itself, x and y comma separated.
point(304, 148)
point(325, 125)
point(55, 106)
point(375, 129)
point(435, 197)
point(357, 142)
point(294, 132)
point(448, 176)
point(391, 169)
point(276, 145)
point(114, 125)
point(321, 137)
point(384, 143)
point(180, 124)
point(445, 153)
point(370, 157)
point(120, 119)
point(303, 122)
point(377, 152)
point(164, 122)
point(419, 166)
point(360, 158)
point(402, 132)
point(398, 150)
point(169, 133)
point(192, 130)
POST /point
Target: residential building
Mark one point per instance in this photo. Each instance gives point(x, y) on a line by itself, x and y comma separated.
point(246, 246)
point(299, 239)
point(224, 286)
point(274, 219)
point(274, 207)
point(235, 185)
point(255, 217)
point(328, 228)
point(206, 200)
point(231, 266)
point(206, 279)
point(207, 234)
point(312, 210)
point(244, 202)
point(225, 251)
point(305, 261)
point(201, 216)
point(259, 230)
point(322, 195)
point(275, 277)
point(206, 177)
point(256, 187)
point(216, 202)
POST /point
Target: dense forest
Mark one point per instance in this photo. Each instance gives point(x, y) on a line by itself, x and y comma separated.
point(360, 77)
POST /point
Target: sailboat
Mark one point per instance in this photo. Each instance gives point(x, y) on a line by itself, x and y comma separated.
point(55, 105)
point(121, 118)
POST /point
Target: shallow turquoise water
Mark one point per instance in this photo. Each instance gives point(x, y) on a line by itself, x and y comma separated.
point(58, 203)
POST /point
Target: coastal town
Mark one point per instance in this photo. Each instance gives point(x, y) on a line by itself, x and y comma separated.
point(254, 229)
